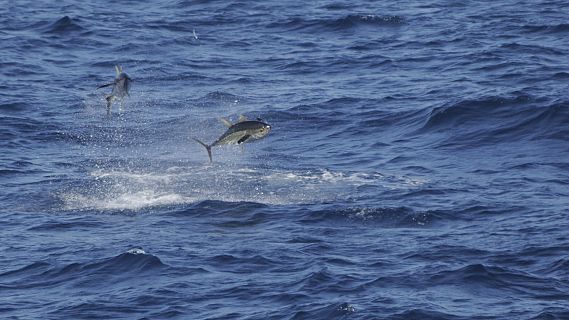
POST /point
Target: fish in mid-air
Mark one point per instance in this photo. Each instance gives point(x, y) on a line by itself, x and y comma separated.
point(244, 130)
point(121, 86)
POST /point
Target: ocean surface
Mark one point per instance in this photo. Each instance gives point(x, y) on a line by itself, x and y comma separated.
point(417, 166)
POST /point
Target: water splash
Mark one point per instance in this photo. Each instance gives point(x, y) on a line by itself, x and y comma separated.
point(123, 189)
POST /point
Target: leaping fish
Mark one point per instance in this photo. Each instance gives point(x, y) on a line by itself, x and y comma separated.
point(242, 131)
point(121, 86)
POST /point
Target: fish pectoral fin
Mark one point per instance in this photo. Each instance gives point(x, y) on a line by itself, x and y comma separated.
point(242, 118)
point(105, 85)
point(243, 139)
point(226, 122)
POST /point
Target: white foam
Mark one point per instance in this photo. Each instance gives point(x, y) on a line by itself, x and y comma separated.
point(122, 201)
point(137, 177)
point(143, 199)
point(116, 189)
point(136, 251)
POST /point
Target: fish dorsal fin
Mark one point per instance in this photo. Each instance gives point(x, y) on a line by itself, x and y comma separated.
point(226, 122)
point(117, 68)
point(242, 118)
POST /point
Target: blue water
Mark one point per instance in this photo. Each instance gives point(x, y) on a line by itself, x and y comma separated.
point(417, 167)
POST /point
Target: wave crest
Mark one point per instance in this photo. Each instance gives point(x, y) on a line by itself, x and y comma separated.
point(100, 273)
point(63, 26)
point(338, 24)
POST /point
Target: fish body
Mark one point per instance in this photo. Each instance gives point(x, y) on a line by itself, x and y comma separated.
point(241, 132)
point(121, 87)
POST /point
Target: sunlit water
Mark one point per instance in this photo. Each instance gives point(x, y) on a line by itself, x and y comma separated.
point(416, 167)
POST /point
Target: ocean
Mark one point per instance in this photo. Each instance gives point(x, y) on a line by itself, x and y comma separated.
point(417, 166)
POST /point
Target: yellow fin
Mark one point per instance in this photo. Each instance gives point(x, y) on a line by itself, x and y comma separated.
point(242, 118)
point(226, 122)
point(117, 69)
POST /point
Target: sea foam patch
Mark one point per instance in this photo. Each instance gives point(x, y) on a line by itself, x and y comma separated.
point(122, 189)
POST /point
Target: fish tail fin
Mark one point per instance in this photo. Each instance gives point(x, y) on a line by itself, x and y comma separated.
point(208, 148)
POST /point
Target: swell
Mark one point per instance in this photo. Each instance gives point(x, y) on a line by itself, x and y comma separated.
point(495, 119)
point(472, 110)
point(468, 122)
point(497, 279)
point(64, 25)
point(338, 24)
point(548, 28)
point(331, 113)
point(25, 130)
point(123, 267)
point(399, 217)
point(332, 64)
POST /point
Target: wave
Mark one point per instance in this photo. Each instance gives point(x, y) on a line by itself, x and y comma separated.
point(371, 19)
point(339, 24)
point(459, 124)
point(21, 132)
point(25, 125)
point(333, 64)
point(466, 111)
point(559, 268)
point(426, 314)
point(325, 280)
point(498, 280)
point(498, 119)
point(56, 225)
point(401, 217)
point(65, 25)
point(331, 111)
point(528, 48)
point(548, 28)
point(242, 264)
point(219, 97)
point(339, 310)
point(406, 217)
point(556, 313)
point(13, 106)
point(561, 76)
point(10, 172)
point(169, 25)
point(128, 265)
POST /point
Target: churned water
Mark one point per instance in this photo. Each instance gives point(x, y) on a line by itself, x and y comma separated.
point(417, 166)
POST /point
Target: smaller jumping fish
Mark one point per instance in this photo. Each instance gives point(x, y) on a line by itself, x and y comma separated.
point(121, 86)
point(242, 131)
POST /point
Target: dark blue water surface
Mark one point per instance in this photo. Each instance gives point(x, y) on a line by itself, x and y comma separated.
point(417, 167)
